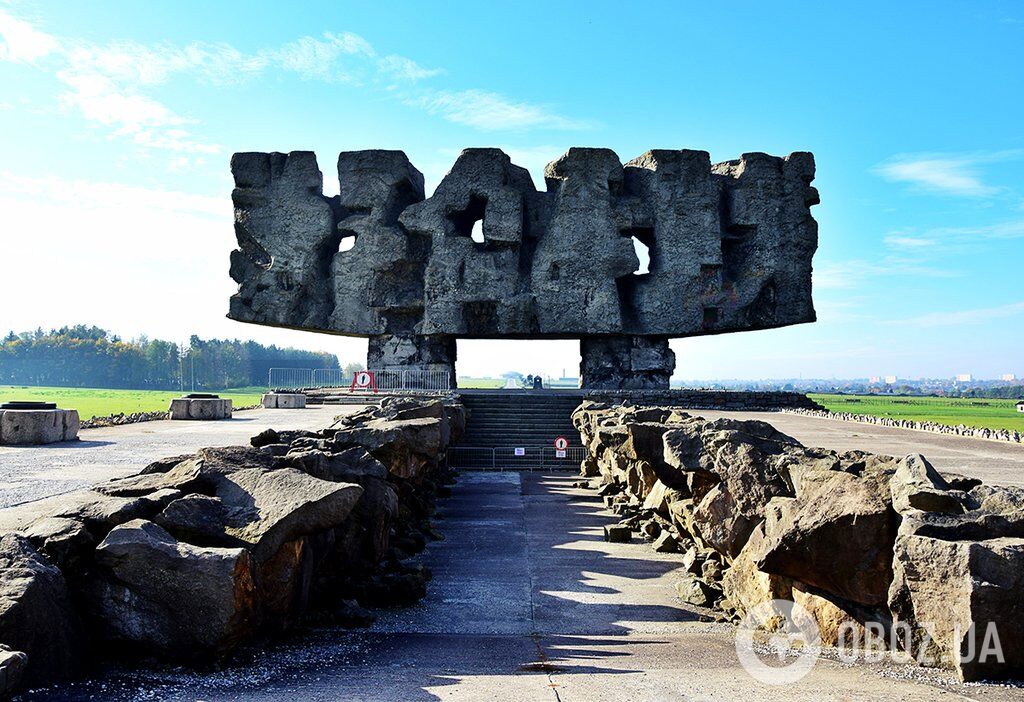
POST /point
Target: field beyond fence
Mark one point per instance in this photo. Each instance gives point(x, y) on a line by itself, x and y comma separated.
point(972, 412)
point(99, 402)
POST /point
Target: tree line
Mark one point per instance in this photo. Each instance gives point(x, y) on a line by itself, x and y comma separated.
point(87, 356)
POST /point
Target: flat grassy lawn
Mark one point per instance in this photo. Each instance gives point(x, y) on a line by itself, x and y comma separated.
point(485, 383)
point(96, 402)
point(993, 414)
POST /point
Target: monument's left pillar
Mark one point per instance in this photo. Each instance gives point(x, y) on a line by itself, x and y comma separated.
point(429, 361)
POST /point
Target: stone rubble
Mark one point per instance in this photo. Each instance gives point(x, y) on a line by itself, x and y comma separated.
point(1010, 435)
point(198, 554)
point(853, 537)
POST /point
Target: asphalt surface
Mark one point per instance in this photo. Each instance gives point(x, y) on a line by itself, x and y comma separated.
point(34, 472)
point(527, 603)
point(995, 462)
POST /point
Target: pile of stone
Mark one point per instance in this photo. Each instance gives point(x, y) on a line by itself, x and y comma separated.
point(862, 541)
point(200, 553)
point(953, 430)
point(116, 420)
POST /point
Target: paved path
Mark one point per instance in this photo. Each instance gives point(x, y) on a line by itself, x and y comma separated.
point(995, 462)
point(528, 603)
point(33, 472)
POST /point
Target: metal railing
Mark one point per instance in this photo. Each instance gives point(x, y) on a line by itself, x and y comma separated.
point(527, 458)
point(386, 379)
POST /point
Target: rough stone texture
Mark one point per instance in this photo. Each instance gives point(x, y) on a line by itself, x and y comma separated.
point(200, 408)
point(284, 400)
point(148, 579)
point(26, 427)
point(36, 616)
point(730, 249)
point(854, 537)
point(200, 553)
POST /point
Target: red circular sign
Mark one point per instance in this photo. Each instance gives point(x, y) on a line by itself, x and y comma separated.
point(561, 443)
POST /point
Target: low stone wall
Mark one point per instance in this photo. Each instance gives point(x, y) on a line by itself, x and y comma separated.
point(852, 537)
point(707, 399)
point(200, 553)
point(116, 420)
point(957, 430)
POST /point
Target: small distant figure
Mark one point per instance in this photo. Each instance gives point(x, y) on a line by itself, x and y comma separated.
point(538, 384)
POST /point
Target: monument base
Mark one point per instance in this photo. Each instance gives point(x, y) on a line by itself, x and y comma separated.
point(626, 362)
point(432, 357)
point(284, 400)
point(200, 407)
point(26, 427)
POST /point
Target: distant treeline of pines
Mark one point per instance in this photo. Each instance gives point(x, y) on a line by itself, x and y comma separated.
point(90, 357)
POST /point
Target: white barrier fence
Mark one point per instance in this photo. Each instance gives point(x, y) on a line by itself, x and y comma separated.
point(386, 379)
point(528, 458)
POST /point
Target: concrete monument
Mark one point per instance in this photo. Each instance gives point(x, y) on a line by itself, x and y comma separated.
point(730, 249)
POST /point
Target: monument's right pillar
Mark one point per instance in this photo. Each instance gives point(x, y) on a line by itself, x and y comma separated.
point(626, 362)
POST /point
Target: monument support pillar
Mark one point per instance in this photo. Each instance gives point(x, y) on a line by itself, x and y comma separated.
point(626, 362)
point(413, 352)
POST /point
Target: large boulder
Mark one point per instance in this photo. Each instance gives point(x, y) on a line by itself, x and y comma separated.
point(36, 615)
point(837, 536)
point(960, 599)
point(156, 595)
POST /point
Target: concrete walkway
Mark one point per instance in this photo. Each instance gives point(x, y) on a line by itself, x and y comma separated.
point(34, 472)
point(527, 603)
point(995, 462)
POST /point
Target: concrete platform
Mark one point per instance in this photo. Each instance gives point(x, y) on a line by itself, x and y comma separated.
point(528, 603)
point(995, 462)
point(34, 472)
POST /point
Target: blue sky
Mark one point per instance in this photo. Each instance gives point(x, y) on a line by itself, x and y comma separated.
point(117, 121)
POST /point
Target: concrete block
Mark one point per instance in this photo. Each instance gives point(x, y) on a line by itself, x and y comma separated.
point(284, 400)
point(38, 426)
point(200, 408)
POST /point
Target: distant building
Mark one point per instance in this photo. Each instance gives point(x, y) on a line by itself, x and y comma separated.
point(890, 380)
point(875, 379)
point(1020, 406)
point(964, 378)
point(1008, 377)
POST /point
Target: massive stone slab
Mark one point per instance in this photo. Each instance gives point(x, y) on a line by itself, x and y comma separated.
point(730, 248)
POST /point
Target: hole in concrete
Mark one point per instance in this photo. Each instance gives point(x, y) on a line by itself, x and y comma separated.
point(554, 272)
point(469, 222)
point(346, 243)
point(643, 244)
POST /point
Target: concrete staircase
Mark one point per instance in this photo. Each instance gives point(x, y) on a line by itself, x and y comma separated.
point(529, 420)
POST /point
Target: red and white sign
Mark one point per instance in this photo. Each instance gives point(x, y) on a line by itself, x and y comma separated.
point(561, 443)
point(364, 380)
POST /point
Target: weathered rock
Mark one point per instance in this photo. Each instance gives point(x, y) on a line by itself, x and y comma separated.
point(666, 543)
point(695, 591)
point(36, 614)
point(961, 600)
point(617, 533)
point(837, 536)
point(836, 626)
point(183, 476)
point(918, 486)
point(12, 670)
point(745, 585)
point(65, 542)
point(159, 596)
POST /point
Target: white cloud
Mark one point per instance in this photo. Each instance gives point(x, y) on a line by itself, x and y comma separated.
point(489, 111)
point(402, 68)
point(975, 316)
point(318, 58)
point(831, 275)
point(948, 174)
point(946, 239)
point(21, 42)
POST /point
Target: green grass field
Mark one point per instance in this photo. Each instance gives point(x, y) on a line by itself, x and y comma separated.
point(993, 414)
point(95, 402)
